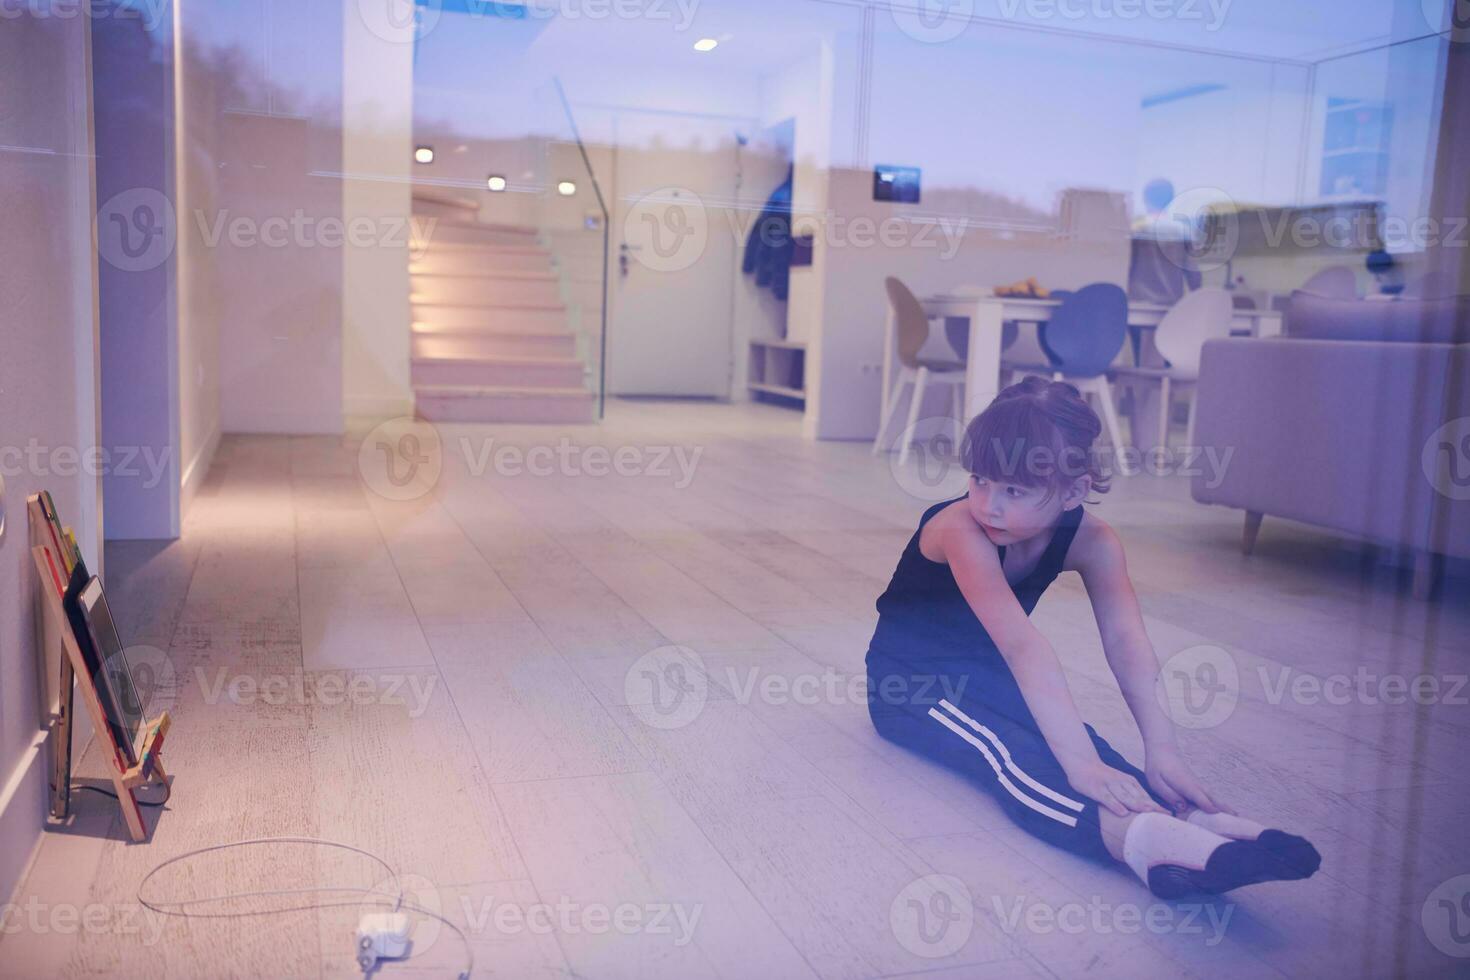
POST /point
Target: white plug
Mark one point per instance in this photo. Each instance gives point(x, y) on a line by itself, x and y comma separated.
point(381, 936)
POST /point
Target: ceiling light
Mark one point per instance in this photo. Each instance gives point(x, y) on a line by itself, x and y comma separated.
point(706, 44)
point(495, 182)
point(424, 154)
point(566, 188)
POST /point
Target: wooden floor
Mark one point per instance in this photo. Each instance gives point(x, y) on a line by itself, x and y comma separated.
point(484, 685)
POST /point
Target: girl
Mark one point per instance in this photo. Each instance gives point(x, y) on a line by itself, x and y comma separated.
point(958, 673)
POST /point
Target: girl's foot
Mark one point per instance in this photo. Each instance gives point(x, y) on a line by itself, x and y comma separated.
point(1296, 853)
point(1176, 858)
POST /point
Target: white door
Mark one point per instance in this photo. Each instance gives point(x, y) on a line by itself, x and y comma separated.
point(673, 256)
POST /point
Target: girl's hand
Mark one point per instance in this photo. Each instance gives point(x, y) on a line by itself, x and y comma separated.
point(1114, 789)
point(1171, 777)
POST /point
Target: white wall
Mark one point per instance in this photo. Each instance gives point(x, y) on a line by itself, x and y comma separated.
point(133, 131)
point(199, 307)
point(377, 154)
point(263, 126)
point(48, 370)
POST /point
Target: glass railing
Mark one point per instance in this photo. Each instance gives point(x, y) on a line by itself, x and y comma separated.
point(572, 222)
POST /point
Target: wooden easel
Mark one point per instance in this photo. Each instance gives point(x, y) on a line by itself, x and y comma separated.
point(60, 645)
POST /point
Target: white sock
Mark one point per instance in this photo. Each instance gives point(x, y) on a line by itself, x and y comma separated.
point(1226, 824)
point(1156, 838)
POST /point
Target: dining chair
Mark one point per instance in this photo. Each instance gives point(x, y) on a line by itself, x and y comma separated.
point(905, 335)
point(1172, 358)
point(1082, 340)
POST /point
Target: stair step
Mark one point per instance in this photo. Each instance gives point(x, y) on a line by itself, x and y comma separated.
point(499, 371)
point(485, 291)
point(527, 319)
point(443, 197)
point(492, 344)
point(432, 246)
point(481, 271)
point(508, 265)
point(446, 231)
point(503, 403)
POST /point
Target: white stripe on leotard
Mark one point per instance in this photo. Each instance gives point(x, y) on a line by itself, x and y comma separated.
point(1041, 808)
point(1010, 763)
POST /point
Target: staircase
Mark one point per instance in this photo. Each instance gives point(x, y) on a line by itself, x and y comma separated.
point(491, 340)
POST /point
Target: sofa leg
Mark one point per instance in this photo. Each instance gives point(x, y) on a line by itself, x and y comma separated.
point(1253, 520)
point(1426, 573)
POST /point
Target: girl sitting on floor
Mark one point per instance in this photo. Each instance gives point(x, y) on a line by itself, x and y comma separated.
point(958, 673)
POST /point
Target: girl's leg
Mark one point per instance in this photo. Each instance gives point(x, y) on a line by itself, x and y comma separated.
point(1014, 764)
point(1294, 857)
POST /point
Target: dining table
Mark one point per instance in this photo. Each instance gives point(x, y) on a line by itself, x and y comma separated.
point(988, 313)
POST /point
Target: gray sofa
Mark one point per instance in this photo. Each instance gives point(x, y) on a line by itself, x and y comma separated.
point(1340, 423)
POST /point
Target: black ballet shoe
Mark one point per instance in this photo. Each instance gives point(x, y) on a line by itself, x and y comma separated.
point(1296, 854)
point(1232, 865)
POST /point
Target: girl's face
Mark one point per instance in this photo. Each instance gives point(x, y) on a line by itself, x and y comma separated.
point(1009, 512)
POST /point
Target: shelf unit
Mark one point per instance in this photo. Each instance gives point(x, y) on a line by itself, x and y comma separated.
point(778, 370)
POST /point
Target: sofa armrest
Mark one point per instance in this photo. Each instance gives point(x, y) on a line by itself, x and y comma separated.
point(1322, 431)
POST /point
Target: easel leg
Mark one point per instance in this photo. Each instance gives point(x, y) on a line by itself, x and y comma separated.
point(61, 745)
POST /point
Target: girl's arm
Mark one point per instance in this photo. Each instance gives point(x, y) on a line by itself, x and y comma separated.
point(976, 567)
point(1098, 555)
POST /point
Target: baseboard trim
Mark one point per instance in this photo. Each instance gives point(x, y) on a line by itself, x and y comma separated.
point(196, 471)
point(22, 802)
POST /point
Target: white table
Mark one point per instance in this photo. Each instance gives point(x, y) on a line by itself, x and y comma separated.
point(988, 312)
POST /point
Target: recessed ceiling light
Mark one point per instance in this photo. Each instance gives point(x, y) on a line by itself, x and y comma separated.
point(424, 154)
point(566, 188)
point(495, 182)
point(706, 44)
